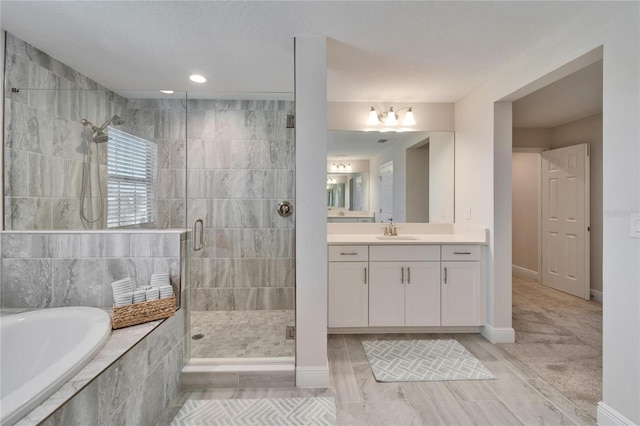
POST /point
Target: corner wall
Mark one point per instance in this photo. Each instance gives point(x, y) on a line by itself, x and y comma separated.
point(615, 27)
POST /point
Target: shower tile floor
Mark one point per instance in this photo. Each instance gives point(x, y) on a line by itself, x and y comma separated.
point(241, 334)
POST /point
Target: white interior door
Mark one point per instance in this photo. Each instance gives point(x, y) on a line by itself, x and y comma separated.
point(386, 191)
point(565, 220)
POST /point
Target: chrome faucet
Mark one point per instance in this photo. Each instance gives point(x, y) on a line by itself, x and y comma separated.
point(390, 228)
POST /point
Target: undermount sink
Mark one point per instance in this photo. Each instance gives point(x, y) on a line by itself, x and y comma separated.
point(396, 237)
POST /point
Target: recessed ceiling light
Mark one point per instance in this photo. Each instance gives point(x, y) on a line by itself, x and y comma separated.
point(197, 78)
point(168, 92)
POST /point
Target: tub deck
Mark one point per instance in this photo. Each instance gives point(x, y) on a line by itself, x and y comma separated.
point(118, 344)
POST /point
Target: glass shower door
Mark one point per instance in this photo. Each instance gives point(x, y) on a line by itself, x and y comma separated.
point(240, 167)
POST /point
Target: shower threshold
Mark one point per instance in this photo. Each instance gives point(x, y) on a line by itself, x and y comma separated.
point(238, 373)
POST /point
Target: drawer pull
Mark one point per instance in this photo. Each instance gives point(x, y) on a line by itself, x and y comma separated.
point(445, 274)
point(408, 275)
point(461, 252)
point(349, 254)
point(365, 275)
point(402, 277)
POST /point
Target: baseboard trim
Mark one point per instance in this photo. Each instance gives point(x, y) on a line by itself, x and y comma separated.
point(596, 296)
point(312, 377)
point(524, 272)
point(607, 416)
point(407, 330)
point(498, 335)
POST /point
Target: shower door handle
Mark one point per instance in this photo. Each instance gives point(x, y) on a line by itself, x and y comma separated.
point(198, 246)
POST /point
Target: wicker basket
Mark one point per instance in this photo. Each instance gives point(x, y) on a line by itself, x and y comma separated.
point(138, 313)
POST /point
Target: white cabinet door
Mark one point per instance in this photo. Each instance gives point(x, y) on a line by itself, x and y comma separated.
point(348, 294)
point(422, 294)
point(461, 293)
point(386, 294)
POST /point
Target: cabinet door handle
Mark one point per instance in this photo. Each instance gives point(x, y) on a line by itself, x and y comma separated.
point(402, 276)
point(408, 275)
point(461, 252)
point(348, 254)
point(445, 274)
point(365, 275)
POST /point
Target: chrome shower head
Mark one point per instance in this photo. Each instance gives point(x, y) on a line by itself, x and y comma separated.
point(116, 120)
point(100, 137)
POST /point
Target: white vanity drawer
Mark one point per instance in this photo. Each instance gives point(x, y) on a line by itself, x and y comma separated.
point(460, 252)
point(408, 253)
point(348, 253)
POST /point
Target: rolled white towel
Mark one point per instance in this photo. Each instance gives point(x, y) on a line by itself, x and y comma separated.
point(152, 294)
point(165, 291)
point(158, 280)
point(122, 299)
point(139, 295)
point(122, 286)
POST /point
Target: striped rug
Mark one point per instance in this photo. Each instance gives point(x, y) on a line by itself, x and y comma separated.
point(263, 412)
point(423, 361)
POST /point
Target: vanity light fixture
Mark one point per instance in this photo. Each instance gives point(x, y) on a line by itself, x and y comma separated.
point(390, 118)
point(197, 78)
point(331, 180)
point(341, 167)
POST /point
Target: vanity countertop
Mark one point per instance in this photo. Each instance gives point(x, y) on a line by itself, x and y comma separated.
point(408, 234)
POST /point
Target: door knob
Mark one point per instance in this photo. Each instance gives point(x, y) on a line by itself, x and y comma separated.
point(285, 209)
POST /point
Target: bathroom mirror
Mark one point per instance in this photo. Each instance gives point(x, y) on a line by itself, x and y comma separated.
point(421, 184)
point(349, 191)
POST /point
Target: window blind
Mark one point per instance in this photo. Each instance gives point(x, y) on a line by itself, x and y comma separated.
point(131, 184)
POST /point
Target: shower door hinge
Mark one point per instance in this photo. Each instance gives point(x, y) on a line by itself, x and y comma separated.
point(291, 121)
point(15, 90)
point(290, 333)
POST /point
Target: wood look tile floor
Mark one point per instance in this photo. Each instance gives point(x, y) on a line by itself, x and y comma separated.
point(518, 396)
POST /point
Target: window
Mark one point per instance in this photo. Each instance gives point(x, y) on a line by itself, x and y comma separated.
point(131, 183)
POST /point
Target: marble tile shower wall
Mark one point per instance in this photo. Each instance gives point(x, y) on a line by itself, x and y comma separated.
point(42, 270)
point(164, 121)
point(241, 160)
point(45, 141)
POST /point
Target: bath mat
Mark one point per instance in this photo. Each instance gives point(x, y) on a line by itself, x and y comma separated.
point(423, 361)
point(245, 412)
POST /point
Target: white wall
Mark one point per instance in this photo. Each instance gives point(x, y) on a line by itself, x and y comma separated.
point(312, 368)
point(483, 179)
point(525, 177)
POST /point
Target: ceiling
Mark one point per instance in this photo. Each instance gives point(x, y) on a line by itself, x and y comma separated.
point(392, 51)
point(571, 98)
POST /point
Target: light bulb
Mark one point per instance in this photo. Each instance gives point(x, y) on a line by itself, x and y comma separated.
point(373, 117)
point(409, 119)
point(391, 119)
point(196, 78)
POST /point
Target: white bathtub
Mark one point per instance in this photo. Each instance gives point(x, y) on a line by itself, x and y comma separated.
point(40, 350)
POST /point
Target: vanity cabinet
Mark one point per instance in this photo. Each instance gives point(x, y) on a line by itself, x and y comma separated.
point(348, 286)
point(404, 293)
point(461, 285)
point(428, 285)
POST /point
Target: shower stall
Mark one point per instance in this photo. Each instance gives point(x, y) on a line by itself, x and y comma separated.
point(225, 162)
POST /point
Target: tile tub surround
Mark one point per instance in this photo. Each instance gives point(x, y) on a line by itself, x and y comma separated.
point(241, 162)
point(76, 268)
point(45, 141)
point(130, 381)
